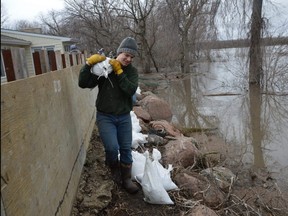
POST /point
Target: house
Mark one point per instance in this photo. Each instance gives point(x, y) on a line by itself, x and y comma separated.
point(21, 47)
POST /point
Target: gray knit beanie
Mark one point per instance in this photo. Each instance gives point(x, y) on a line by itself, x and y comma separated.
point(128, 45)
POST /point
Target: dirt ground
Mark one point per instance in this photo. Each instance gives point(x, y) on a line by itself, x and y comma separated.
point(98, 195)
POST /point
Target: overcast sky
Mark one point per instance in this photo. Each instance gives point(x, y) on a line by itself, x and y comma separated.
point(31, 9)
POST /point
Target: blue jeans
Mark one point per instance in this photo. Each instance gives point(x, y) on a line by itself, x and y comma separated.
point(116, 134)
point(134, 99)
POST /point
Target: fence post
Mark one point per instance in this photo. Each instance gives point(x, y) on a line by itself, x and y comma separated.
point(52, 60)
point(67, 59)
point(19, 63)
point(37, 63)
point(63, 60)
point(77, 57)
point(74, 59)
point(58, 60)
point(44, 61)
point(8, 64)
point(84, 56)
point(71, 60)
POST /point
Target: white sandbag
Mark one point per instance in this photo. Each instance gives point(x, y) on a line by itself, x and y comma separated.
point(138, 165)
point(152, 187)
point(102, 68)
point(137, 137)
point(164, 173)
point(135, 122)
point(138, 91)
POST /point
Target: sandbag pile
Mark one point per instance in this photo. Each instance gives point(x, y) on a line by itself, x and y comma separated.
point(153, 177)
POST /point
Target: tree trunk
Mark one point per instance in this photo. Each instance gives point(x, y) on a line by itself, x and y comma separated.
point(184, 56)
point(255, 66)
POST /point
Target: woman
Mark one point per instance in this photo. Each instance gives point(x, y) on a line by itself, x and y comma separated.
point(113, 105)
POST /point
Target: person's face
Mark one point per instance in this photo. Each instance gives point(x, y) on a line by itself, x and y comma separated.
point(125, 58)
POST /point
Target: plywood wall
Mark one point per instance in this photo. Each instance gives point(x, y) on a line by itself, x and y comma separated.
point(46, 124)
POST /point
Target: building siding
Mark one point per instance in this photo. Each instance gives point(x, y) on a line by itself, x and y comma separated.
point(38, 42)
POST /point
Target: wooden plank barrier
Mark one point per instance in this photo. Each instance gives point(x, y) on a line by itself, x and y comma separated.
point(37, 63)
point(67, 59)
point(59, 60)
point(46, 125)
point(8, 64)
point(19, 63)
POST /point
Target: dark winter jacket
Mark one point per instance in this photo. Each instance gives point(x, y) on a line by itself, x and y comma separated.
point(115, 92)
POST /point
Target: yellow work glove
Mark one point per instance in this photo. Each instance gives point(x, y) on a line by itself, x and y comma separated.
point(94, 59)
point(116, 65)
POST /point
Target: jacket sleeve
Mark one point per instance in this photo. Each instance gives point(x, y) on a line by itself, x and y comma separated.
point(129, 82)
point(86, 78)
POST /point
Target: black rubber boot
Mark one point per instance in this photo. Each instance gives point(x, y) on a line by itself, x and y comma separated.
point(130, 186)
point(115, 171)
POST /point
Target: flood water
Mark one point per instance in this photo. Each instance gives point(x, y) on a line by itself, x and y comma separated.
point(216, 95)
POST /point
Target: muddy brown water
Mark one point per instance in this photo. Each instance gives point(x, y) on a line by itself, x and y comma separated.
point(214, 97)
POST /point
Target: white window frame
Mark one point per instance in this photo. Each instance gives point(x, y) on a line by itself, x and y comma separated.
point(39, 48)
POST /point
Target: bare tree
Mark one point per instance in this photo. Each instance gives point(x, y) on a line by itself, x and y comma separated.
point(233, 17)
point(191, 18)
point(4, 15)
point(102, 23)
point(30, 26)
point(94, 21)
point(54, 23)
point(247, 22)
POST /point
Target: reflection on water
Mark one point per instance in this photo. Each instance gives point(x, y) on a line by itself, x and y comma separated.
point(257, 123)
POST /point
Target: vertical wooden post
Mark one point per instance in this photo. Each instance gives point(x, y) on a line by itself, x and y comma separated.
point(19, 63)
point(71, 59)
point(58, 60)
point(74, 58)
point(8, 64)
point(67, 59)
point(63, 60)
point(44, 61)
point(37, 63)
point(84, 56)
point(77, 58)
point(52, 60)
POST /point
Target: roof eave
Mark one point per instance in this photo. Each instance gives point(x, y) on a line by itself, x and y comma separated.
point(14, 42)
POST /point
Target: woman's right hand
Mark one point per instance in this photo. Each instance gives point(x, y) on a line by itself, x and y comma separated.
point(116, 65)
